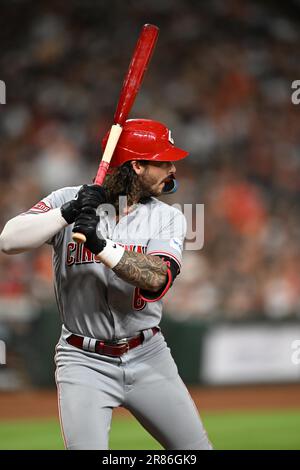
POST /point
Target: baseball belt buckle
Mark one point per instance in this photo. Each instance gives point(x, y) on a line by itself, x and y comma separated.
point(123, 344)
point(117, 342)
point(126, 347)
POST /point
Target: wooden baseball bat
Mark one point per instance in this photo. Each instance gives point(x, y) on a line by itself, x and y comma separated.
point(132, 82)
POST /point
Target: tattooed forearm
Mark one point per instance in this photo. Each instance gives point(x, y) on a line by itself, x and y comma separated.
point(144, 271)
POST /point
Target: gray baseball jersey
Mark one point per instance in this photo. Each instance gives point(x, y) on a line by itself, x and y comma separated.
point(92, 299)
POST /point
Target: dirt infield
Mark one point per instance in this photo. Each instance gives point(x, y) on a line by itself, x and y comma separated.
point(43, 404)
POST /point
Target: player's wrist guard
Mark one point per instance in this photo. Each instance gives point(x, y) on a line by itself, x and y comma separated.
point(111, 254)
point(108, 252)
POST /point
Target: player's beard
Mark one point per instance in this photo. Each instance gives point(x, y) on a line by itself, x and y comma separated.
point(123, 181)
point(150, 186)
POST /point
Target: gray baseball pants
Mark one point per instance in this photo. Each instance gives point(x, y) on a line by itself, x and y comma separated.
point(144, 380)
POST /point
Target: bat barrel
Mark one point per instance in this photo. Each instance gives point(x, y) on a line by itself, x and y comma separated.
point(137, 68)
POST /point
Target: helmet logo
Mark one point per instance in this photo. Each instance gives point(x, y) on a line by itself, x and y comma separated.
point(170, 138)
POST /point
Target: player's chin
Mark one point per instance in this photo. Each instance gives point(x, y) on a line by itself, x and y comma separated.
point(158, 190)
point(154, 190)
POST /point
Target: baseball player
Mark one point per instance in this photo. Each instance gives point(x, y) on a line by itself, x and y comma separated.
point(111, 351)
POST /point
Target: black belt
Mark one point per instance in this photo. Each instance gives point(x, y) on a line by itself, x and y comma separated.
point(108, 348)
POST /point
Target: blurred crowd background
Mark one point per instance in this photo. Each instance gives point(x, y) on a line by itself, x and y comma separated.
point(221, 79)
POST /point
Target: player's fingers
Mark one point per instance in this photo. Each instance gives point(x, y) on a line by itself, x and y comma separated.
point(86, 220)
point(95, 190)
point(88, 210)
point(91, 202)
point(85, 228)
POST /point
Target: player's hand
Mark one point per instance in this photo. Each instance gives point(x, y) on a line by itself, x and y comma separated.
point(86, 223)
point(89, 195)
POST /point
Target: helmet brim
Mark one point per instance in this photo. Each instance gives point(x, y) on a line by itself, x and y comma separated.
point(170, 154)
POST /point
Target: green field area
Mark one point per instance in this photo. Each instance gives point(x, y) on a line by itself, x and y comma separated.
point(227, 430)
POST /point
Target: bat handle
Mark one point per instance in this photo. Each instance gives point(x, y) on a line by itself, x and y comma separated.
point(113, 138)
point(102, 170)
point(79, 237)
point(103, 167)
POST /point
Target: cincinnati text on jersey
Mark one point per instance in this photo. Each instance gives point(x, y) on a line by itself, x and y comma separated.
point(77, 253)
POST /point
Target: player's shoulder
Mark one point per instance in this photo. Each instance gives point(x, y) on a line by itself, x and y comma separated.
point(65, 194)
point(67, 190)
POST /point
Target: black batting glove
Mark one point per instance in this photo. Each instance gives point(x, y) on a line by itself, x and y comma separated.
point(89, 195)
point(86, 223)
point(69, 210)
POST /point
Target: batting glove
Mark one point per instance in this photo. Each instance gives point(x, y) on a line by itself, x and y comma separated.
point(86, 223)
point(89, 195)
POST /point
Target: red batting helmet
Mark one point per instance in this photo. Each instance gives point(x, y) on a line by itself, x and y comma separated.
point(144, 139)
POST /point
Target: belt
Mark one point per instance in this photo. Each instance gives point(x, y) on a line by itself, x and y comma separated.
point(108, 348)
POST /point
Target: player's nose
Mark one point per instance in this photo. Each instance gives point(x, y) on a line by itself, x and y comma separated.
point(173, 168)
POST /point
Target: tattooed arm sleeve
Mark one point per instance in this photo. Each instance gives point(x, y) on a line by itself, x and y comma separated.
point(145, 271)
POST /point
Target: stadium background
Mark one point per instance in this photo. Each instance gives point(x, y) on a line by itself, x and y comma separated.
point(221, 79)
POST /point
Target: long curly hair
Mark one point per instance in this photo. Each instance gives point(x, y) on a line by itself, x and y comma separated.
point(124, 181)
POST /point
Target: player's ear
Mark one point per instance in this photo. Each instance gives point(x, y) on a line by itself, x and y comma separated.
point(138, 166)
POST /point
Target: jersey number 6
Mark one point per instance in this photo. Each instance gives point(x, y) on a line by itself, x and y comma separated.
point(138, 302)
